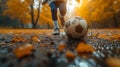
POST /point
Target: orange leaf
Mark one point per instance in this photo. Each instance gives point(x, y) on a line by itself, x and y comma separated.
point(70, 55)
point(61, 47)
point(82, 47)
point(23, 50)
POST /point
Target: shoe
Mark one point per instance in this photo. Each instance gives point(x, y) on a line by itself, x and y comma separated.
point(62, 20)
point(56, 31)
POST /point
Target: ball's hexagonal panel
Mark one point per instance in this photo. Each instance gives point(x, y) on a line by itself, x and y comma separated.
point(79, 28)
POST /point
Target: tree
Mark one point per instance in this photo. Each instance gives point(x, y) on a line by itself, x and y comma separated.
point(106, 9)
point(98, 10)
point(45, 16)
point(34, 22)
point(27, 11)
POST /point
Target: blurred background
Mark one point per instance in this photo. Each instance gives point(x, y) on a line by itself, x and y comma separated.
point(31, 14)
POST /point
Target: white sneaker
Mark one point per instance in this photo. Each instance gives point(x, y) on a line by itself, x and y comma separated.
point(56, 31)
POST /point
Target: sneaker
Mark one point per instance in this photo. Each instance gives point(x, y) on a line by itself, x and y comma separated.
point(62, 20)
point(56, 31)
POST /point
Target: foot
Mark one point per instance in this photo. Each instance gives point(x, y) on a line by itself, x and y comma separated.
point(62, 20)
point(56, 31)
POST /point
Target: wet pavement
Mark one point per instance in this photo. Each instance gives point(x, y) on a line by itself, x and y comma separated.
point(47, 50)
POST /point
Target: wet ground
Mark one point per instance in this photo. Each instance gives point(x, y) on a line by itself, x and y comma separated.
point(39, 48)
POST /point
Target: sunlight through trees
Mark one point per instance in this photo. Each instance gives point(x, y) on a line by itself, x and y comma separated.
point(28, 12)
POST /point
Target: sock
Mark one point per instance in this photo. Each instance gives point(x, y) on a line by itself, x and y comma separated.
point(56, 24)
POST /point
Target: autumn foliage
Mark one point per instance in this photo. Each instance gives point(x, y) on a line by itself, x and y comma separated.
point(27, 11)
point(16, 9)
point(31, 11)
point(98, 10)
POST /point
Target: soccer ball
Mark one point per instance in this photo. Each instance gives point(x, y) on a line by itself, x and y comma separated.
point(76, 28)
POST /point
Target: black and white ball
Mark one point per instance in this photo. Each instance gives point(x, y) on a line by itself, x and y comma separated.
point(76, 28)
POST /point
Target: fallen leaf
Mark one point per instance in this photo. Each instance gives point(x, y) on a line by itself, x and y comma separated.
point(70, 55)
point(82, 47)
point(61, 47)
point(18, 39)
point(23, 50)
point(35, 38)
point(113, 62)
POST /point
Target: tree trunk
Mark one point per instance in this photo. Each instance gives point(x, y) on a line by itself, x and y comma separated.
point(34, 26)
point(114, 17)
point(22, 25)
point(38, 15)
point(115, 20)
point(32, 14)
point(35, 22)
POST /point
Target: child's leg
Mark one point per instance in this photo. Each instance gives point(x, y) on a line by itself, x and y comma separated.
point(63, 10)
point(53, 6)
